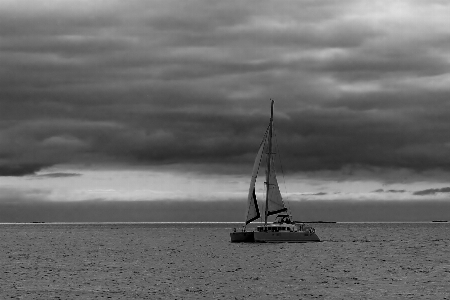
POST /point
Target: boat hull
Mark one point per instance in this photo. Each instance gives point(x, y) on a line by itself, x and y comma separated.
point(242, 237)
point(285, 237)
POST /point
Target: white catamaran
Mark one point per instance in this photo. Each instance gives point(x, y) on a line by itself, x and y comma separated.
point(283, 229)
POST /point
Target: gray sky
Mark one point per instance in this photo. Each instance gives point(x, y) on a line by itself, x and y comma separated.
point(151, 100)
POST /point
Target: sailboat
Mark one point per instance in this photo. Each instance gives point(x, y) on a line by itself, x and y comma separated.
point(283, 229)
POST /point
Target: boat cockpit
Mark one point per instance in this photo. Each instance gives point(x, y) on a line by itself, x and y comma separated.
point(283, 219)
point(283, 223)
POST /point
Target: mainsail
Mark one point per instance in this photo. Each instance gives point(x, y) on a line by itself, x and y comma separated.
point(274, 202)
point(252, 203)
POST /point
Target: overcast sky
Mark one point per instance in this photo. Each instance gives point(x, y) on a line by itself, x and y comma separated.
point(169, 100)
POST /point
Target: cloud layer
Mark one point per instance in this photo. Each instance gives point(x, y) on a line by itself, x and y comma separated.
point(359, 85)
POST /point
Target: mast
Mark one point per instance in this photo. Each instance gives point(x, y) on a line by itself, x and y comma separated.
point(269, 158)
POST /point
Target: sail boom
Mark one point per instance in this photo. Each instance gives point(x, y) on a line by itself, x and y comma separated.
point(269, 213)
point(251, 220)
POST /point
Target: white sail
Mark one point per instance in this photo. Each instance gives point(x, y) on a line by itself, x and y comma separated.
point(275, 201)
point(252, 203)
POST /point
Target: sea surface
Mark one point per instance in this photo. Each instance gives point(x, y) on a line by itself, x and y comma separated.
point(197, 261)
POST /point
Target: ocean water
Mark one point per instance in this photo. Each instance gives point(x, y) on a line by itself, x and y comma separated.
point(197, 261)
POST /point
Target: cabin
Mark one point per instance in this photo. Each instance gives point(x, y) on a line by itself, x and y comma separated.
point(282, 223)
point(275, 228)
point(283, 218)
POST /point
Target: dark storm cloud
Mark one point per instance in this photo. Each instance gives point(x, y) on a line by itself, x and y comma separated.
point(321, 139)
point(181, 82)
point(20, 169)
point(319, 194)
point(432, 191)
point(58, 175)
point(389, 191)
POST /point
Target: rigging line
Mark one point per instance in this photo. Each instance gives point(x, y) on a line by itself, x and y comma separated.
point(265, 136)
